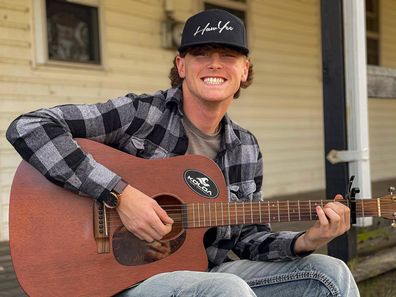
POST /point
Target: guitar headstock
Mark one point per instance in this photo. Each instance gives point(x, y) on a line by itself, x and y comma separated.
point(388, 207)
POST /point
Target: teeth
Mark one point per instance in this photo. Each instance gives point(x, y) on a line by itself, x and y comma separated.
point(213, 80)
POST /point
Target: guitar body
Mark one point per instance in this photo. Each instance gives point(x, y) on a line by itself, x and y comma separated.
point(52, 241)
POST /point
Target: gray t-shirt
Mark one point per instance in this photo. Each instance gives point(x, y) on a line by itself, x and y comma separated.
point(200, 143)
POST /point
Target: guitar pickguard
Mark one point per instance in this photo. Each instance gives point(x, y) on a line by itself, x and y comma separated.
point(131, 251)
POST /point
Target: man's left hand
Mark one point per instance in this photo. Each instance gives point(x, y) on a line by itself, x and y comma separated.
point(334, 220)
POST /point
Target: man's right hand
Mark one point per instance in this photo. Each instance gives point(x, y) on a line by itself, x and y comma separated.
point(143, 216)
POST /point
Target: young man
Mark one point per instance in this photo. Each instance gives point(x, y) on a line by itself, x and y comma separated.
point(190, 118)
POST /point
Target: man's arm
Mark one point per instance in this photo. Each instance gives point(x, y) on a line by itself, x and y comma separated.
point(44, 138)
point(258, 242)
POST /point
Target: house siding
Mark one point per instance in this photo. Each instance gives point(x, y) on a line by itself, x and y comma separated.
point(382, 125)
point(283, 107)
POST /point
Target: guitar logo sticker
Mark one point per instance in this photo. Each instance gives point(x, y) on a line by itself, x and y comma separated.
point(201, 184)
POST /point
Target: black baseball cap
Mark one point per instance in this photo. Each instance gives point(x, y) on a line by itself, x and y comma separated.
point(214, 26)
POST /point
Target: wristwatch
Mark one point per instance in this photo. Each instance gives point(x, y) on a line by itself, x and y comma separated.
point(112, 200)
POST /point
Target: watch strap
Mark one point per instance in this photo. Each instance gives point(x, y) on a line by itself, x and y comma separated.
point(112, 200)
point(119, 187)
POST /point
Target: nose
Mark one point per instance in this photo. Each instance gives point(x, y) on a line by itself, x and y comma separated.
point(215, 61)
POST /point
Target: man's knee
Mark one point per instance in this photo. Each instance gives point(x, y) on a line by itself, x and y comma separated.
point(230, 284)
point(327, 264)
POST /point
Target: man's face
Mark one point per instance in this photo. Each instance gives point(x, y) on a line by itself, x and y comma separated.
point(212, 75)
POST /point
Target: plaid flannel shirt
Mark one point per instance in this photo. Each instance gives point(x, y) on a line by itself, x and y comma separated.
point(148, 126)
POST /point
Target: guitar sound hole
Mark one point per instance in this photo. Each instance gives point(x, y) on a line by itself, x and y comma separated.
point(131, 251)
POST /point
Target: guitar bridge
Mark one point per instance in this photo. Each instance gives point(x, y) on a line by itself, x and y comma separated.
point(101, 232)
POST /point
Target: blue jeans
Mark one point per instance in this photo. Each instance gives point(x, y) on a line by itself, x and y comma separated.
point(314, 275)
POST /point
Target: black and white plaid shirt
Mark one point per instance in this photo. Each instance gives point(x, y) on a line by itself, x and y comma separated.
point(147, 126)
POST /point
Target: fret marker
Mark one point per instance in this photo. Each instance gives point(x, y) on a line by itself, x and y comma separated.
point(362, 207)
point(243, 212)
point(193, 215)
point(278, 213)
point(216, 213)
point(260, 210)
point(299, 212)
point(251, 212)
point(229, 218)
point(236, 214)
point(199, 217)
point(210, 217)
point(222, 214)
point(204, 217)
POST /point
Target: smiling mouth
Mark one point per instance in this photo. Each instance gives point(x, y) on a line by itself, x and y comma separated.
point(214, 80)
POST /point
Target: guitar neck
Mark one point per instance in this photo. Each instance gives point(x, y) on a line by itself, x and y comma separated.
point(199, 215)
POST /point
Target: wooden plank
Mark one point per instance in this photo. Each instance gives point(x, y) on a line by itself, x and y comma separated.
point(153, 10)
point(15, 25)
point(14, 15)
point(142, 39)
point(133, 52)
point(382, 144)
point(14, 34)
point(133, 23)
point(14, 6)
point(15, 43)
point(15, 52)
point(269, 11)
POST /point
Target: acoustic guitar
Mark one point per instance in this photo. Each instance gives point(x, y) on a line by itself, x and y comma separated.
point(63, 244)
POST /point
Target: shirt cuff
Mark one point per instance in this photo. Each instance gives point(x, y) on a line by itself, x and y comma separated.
point(100, 182)
point(293, 243)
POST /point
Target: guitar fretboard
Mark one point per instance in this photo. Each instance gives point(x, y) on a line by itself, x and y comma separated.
point(198, 215)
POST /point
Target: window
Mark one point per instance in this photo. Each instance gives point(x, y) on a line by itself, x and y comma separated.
point(236, 7)
point(67, 32)
point(372, 31)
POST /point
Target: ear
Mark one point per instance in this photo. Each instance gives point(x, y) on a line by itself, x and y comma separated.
point(180, 67)
point(245, 70)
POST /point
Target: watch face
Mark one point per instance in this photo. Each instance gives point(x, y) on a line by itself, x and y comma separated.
point(111, 200)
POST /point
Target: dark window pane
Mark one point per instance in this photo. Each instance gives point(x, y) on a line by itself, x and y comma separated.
point(372, 6)
point(72, 32)
point(372, 24)
point(372, 51)
point(239, 13)
point(372, 28)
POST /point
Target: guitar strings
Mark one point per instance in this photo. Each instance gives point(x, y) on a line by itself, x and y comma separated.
point(263, 206)
point(251, 216)
point(216, 207)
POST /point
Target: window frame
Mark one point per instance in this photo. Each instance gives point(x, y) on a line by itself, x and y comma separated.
point(237, 5)
point(41, 56)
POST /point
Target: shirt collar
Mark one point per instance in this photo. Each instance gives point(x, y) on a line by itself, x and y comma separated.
point(230, 137)
point(175, 96)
